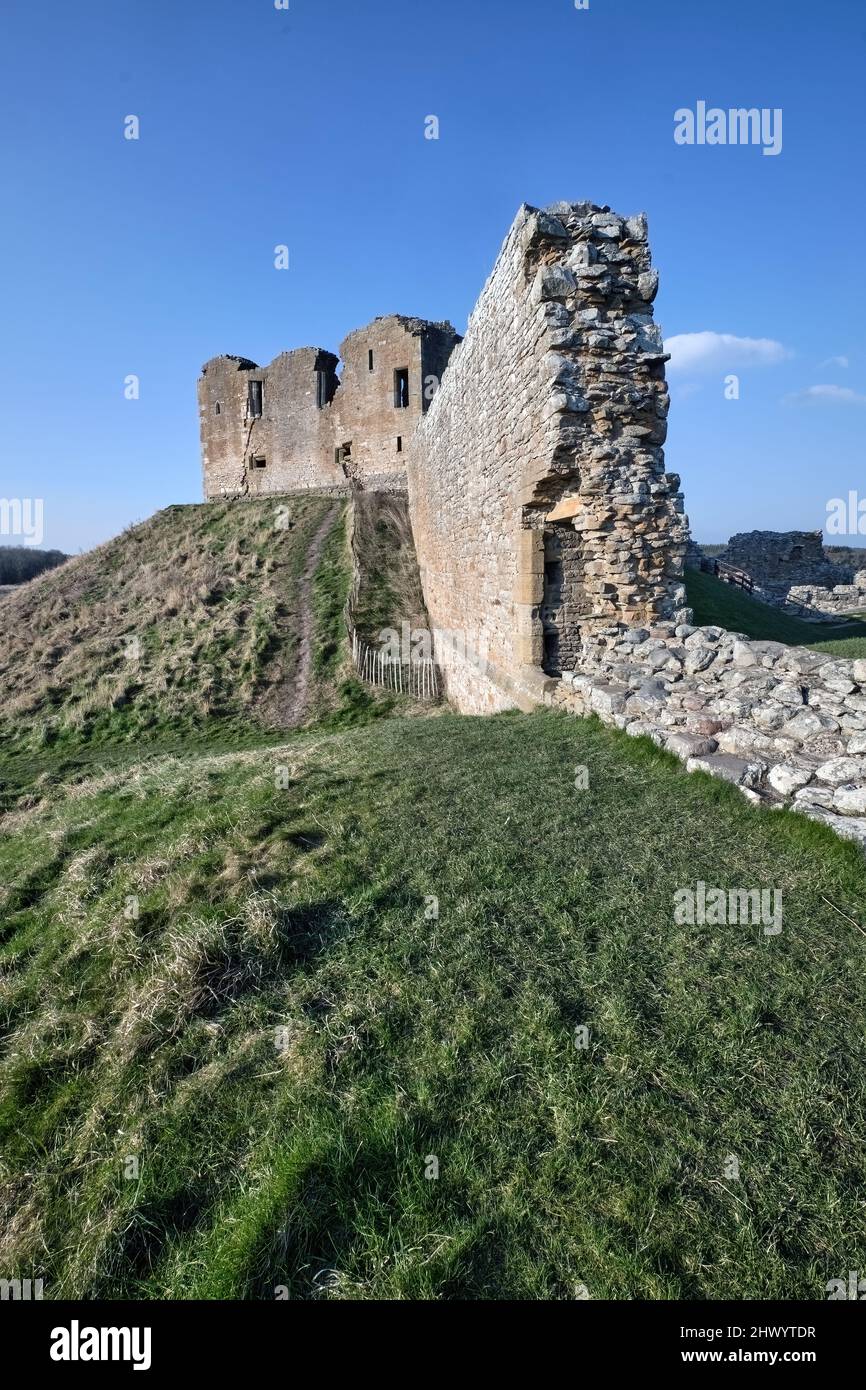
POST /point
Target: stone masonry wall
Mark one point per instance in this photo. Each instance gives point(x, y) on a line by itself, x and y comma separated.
point(552, 410)
point(317, 429)
point(292, 436)
point(366, 411)
point(842, 598)
point(776, 560)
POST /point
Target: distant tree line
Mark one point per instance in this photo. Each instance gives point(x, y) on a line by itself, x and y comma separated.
point(18, 563)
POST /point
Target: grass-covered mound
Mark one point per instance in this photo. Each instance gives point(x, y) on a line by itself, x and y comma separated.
point(248, 999)
point(715, 602)
point(191, 620)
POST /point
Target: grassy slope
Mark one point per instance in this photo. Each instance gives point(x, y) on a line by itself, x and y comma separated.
point(164, 915)
point(717, 602)
point(389, 591)
point(211, 595)
point(300, 900)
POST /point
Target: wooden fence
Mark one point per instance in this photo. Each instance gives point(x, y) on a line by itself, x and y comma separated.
point(417, 678)
point(732, 575)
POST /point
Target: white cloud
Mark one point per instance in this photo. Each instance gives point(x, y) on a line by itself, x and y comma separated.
point(834, 362)
point(834, 395)
point(717, 351)
point(683, 390)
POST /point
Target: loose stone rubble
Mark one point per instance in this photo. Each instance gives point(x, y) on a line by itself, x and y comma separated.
point(784, 724)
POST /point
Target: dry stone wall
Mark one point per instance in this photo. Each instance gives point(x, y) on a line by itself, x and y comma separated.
point(841, 599)
point(550, 419)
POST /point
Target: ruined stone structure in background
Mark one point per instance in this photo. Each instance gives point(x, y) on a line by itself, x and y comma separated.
point(540, 506)
point(296, 424)
point(791, 569)
point(777, 559)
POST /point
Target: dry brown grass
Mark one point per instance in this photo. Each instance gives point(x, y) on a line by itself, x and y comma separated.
point(184, 617)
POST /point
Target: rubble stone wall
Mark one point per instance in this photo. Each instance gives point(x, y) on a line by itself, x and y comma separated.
point(841, 599)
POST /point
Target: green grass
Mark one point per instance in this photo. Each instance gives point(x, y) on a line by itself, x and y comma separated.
point(252, 984)
point(389, 584)
point(715, 602)
point(293, 888)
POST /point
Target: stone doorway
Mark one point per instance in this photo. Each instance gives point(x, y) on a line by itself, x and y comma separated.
point(559, 609)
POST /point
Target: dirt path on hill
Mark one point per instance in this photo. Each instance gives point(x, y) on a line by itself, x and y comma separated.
point(290, 699)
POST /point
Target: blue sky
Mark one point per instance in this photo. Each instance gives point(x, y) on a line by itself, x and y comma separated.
point(306, 127)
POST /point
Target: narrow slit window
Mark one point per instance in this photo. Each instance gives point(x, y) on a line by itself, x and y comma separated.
point(370, 360)
point(401, 388)
point(217, 408)
point(321, 389)
point(399, 443)
point(255, 399)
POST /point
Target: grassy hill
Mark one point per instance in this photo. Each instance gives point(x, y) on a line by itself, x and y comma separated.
point(193, 622)
point(258, 980)
point(249, 997)
point(714, 601)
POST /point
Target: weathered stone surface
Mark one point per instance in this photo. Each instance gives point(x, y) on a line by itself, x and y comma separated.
point(840, 770)
point(743, 654)
point(745, 772)
point(850, 799)
point(806, 722)
point(690, 745)
point(608, 699)
point(786, 778)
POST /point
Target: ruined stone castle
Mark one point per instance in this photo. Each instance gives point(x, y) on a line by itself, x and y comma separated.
point(549, 537)
point(296, 424)
point(531, 450)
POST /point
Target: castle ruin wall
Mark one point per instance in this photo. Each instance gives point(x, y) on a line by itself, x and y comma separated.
point(550, 419)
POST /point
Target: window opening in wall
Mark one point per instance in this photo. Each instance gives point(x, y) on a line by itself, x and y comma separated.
point(553, 575)
point(399, 443)
point(551, 652)
point(254, 399)
point(401, 388)
point(217, 408)
point(260, 462)
point(321, 389)
point(370, 359)
point(344, 458)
